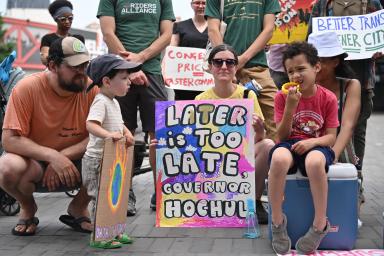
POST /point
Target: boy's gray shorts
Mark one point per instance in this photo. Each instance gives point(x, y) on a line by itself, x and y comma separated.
point(90, 175)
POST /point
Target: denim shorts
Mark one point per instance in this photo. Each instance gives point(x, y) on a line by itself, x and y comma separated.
point(299, 160)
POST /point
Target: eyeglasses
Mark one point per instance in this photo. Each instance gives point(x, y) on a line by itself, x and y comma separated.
point(63, 18)
point(229, 63)
point(198, 3)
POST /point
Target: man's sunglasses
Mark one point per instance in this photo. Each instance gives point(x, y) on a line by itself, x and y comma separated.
point(63, 19)
point(218, 63)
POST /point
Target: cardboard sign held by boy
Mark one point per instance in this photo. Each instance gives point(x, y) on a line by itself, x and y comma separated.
point(111, 207)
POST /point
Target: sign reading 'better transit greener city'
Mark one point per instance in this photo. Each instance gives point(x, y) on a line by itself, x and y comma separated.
point(360, 35)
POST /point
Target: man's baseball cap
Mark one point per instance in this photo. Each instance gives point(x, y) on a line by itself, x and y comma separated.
point(100, 66)
point(71, 49)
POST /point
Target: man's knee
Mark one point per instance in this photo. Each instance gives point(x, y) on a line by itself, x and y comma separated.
point(7, 174)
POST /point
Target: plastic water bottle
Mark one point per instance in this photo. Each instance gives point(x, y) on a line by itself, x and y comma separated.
point(253, 229)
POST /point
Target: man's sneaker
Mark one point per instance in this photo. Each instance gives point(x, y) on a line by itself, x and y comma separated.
point(281, 243)
point(308, 243)
point(262, 215)
point(153, 202)
point(131, 204)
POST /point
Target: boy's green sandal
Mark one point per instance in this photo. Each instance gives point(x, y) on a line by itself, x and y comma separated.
point(112, 244)
point(123, 239)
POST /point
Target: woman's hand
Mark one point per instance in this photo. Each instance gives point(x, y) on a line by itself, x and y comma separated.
point(258, 124)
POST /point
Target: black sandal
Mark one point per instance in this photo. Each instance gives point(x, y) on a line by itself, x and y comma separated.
point(27, 223)
point(75, 223)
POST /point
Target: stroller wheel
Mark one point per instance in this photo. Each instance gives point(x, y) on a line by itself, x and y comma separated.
point(8, 205)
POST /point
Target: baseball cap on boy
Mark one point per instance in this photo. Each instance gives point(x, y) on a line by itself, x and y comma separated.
point(71, 49)
point(100, 66)
point(327, 44)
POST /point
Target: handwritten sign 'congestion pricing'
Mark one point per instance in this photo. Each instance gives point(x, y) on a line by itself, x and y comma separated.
point(360, 35)
point(182, 69)
point(205, 163)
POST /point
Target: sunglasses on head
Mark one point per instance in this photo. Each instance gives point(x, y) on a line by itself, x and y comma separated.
point(218, 63)
point(63, 18)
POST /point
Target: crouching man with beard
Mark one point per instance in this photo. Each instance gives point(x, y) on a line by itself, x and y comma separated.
point(44, 135)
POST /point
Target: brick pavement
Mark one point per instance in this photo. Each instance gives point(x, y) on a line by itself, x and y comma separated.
point(55, 239)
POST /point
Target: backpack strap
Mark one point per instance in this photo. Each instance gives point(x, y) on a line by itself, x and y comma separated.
point(245, 95)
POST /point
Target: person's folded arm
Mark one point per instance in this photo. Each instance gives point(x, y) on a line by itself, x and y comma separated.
point(175, 40)
point(214, 31)
point(23, 146)
point(261, 40)
point(76, 151)
point(108, 27)
point(350, 115)
point(61, 164)
point(160, 43)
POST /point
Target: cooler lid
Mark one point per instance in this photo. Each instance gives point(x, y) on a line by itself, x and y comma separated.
point(336, 171)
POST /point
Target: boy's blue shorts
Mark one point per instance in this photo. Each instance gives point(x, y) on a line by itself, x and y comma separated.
point(299, 160)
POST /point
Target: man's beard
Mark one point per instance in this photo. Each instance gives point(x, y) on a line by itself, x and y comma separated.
point(73, 85)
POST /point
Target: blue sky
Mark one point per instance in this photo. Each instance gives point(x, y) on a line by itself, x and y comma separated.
point(85, 12)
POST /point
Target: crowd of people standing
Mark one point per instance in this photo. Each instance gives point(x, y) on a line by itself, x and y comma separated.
point(44, 148)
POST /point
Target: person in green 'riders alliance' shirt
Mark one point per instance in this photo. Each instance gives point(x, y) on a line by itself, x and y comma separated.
point(138, 30)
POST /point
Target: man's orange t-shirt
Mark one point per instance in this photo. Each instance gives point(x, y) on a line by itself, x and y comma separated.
point(35, 111)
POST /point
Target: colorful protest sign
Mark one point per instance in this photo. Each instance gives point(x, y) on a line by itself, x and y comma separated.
point(204, 162)
point(182, 69)
point(360, 35)
point(112, 201)
point(291, 23)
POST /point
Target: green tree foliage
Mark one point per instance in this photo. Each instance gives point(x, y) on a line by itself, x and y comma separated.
point(5, 48)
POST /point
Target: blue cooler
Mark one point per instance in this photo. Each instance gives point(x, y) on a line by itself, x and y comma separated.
point(341, 209)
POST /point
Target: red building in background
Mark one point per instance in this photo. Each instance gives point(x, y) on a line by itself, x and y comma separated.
point(26, 35)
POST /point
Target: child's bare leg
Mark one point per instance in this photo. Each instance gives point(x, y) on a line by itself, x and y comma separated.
point(315, 166)
point(281, 161)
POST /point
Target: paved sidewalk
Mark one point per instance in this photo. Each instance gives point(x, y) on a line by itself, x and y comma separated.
point(54, 238)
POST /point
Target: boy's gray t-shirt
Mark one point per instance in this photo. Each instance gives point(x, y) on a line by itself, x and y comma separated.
point(107, 112)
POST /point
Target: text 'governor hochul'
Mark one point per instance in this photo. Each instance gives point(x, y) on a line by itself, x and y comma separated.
point(205, 163)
